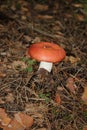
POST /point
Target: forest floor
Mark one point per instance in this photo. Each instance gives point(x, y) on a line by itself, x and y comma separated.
point(56, 100)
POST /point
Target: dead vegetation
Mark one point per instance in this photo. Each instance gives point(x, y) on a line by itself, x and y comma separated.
point(56, 101)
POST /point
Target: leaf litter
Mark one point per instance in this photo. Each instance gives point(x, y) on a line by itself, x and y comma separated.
point(55, 101)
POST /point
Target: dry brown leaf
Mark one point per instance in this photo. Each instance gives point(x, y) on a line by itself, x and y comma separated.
point(3, 53)
point(4, 119)
point(24, 9)
point(80, 17)
point(1, 126)
point(14, 125)
point(58, 99)
point(41, 7)
point(37, 39)
point(67, 15)
point(2, 75)
point(24, 120)
point(45, 16)
point(73, 59)
point(84, 95)
point(1, 101)
point(27, 38)
point(77, 5)
point(85, 127)
point(9, 97)
point(70, 84)
point(13, 7)
point(20, 122)
point(23, 17)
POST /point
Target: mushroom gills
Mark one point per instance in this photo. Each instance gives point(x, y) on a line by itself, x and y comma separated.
point(46, 65)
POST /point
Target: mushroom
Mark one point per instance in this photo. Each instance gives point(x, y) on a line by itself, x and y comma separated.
point(47, 53)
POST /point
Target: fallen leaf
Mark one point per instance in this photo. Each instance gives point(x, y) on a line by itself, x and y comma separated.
point(23, 17)
point(2, 75)
point(27, 38)
point(60, 89)
point(1, 127)
point(19, 122)
point(14, 125)
point(24, 9)
point(41, 7)
point(77, 5)
point(70, 84)
point(85, 127)
point(9, 97)
point(73, 59)
point(3, 53)
point(80, 17)
point(1, 101)
point(24, 120)
point(4, 119)
point(37, 39)
point(68, 15)
point(45, 16)
point(84, 95)
point(58, 99)
point(13, 7)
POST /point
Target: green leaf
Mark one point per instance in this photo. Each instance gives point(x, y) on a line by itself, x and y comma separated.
point(31, 62)
point(45, 96)
point(29, 69)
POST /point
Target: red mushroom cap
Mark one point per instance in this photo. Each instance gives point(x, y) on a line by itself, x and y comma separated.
point(45, 51)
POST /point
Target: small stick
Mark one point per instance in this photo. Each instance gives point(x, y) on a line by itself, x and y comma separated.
point(44, 33)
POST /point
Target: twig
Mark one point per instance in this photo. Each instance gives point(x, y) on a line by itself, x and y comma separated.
point(37, 99)
point(30, 26)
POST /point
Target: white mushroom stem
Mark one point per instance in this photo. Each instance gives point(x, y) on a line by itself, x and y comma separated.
point(46, 65)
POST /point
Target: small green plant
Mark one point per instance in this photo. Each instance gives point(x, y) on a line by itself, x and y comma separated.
point(67, 117)
point(45, 96)
point(55, 111)
point(29, 63)
point(85, 114)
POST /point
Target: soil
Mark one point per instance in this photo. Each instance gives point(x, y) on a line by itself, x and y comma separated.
point(22, 87)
